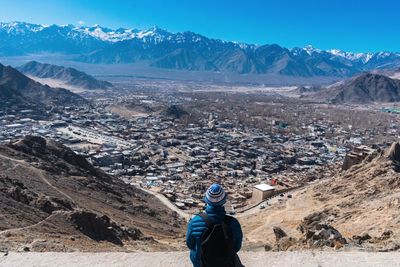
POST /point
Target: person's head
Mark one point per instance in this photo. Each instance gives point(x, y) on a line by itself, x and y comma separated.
point(215, 195)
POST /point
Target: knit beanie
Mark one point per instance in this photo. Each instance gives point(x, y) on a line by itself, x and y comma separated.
point(215, 195)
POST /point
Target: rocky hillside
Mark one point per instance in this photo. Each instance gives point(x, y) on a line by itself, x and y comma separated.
point(17, 88)
point(362, 89)
point(53, 200)
point(69, 76)
point(356, 209)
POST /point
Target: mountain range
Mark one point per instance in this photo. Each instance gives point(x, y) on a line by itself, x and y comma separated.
point(159, 48)
point(68, 76)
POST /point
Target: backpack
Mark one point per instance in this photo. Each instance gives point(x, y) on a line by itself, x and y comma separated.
point(217, 243)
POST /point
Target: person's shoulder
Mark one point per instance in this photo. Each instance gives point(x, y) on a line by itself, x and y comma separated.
point(197, 222)
point(197, 217)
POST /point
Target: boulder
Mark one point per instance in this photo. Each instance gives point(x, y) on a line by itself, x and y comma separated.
point(101, 228)
point(267, 247)
point(50, 204)
point(317, 234)
point(279, 233)
point(286, 242)
point(386, 235)
point(394, 152)
point(359, 239)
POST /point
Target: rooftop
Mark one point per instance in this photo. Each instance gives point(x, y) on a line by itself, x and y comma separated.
point(264, 187)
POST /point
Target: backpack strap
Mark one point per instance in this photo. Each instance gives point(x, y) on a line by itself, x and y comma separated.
point(206, 219)
point(227, 219)
point(226, 222)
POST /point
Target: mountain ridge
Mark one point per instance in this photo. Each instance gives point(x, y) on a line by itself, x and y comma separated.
point(185, 50)
point(365, 88)
point(17, 88)
point(69, 76)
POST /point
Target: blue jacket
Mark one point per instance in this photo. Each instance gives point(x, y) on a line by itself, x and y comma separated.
point(197, 226)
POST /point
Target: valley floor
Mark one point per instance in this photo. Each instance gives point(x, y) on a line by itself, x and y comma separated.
point(174, 259)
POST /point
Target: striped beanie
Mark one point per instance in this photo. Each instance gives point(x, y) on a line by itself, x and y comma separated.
point(215, 195)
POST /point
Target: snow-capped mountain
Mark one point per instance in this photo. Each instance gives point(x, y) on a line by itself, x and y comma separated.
point(106, 34)
point(96, 31)
point(186, 50)
point(121, 34)
point(364, 57)
point(20, 27)
point(311, 50)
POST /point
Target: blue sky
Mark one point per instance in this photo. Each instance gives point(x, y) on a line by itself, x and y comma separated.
point(353, 25)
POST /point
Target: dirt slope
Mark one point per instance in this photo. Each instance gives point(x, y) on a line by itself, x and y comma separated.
point(362, 203)
point(53, 200)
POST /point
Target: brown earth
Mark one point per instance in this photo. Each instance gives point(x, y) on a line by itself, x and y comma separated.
point(53, 200)
point(362, 204)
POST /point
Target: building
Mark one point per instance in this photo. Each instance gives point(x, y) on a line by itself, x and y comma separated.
point(262, 192)
point(356, 156)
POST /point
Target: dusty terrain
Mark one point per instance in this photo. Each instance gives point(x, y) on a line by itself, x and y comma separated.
point(57, 84)
point(362, 203)
point(181, 259)
point(53, 200)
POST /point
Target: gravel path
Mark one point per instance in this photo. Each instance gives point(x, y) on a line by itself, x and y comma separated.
point(168, 204)
point(180, 259)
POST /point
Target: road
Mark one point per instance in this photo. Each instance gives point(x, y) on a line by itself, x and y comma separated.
point(271, 201)
point(181, 259)
point(168, 203)
point(253, 210)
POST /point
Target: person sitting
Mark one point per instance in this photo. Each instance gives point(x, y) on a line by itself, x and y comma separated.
point(213, 237)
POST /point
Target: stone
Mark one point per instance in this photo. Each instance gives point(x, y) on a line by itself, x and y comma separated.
point(394, 152)
point(316, 234)
point(361, 239)
point(279, 233)
point(102, 228)
point(286, 242)
point(386, 235)
point(337, 245)
point(24, 249)
point(267, 247)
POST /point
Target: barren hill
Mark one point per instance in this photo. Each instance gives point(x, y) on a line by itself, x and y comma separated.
point(365, 88)
point(16, 88)
point(53, 200)
point(69, 76)
point(360, 205)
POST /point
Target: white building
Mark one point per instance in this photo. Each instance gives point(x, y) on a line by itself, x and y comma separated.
point(262, 192)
